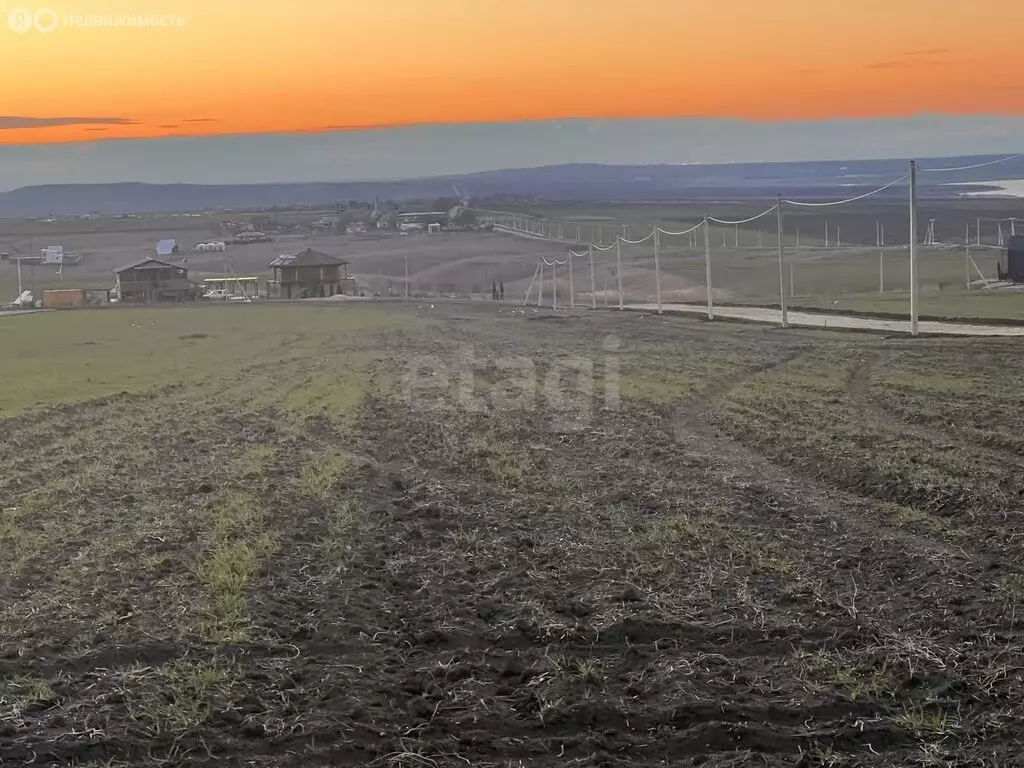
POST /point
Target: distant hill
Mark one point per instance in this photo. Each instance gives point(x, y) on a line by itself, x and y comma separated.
point(817, 179)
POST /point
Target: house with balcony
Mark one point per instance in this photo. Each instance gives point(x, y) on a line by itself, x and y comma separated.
point(152, 280)
point(310, 274)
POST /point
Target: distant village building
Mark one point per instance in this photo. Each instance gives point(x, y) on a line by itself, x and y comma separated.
point(152, 280)
point(243, 238)
point(310, 274)
point(328, 221)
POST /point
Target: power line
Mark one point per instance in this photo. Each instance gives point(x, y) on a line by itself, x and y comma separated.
point(641, 240)
point(684, 232)
point(972, 167)
point(892, 183)
point(742, 221)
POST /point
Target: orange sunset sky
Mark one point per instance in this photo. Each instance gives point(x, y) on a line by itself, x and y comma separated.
point(312, 65)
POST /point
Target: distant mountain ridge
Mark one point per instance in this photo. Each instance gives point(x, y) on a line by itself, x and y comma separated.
point(812, 179)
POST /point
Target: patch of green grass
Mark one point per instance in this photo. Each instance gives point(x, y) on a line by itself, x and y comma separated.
point(505, 462)
point(104, 352)
point(254, 463)
point(179, 696)
point(237, 543)
point(925, 722)
point(588, 673)
point(346, 519)
point(823, 670)
point(712, 534)
point(19, 694)
point(914, 519)
point(323, 474)
point(226, 574)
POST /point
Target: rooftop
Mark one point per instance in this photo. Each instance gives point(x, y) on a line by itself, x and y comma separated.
point(148, 263)
point(307, 258)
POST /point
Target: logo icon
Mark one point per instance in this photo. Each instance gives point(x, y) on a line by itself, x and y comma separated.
point(21, 20)
point(46, 20)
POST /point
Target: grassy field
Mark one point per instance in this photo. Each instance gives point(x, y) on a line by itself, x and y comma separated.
point(408, 536)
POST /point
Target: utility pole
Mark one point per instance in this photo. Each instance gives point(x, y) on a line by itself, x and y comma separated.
point(407, 276)
point(618, 265)
point(707, 268)
point(593, 288)
point(913, 248)
point(572, 292)
point(782, 266)
point(657, 266)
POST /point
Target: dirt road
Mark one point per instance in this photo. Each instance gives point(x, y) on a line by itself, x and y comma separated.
point(831, 320)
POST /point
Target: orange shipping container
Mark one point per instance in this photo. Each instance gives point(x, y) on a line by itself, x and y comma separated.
point(64, 297)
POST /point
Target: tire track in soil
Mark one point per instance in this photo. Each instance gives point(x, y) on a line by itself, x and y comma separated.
point(692, 422)
point(896, 572)
point(859, 389)
point(983, 543)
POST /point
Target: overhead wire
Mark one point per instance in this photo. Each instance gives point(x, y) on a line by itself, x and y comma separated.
point(972, 167)
point(684, 232)
point(743, 221)
point(641, 240)
point(892, 183)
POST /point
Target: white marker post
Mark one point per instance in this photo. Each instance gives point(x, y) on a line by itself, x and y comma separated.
point(593, 287)
point(782, 267)
point(913, 248)
point(572, 292)
point(657, 266)
point(618, 266)
point(707, 269)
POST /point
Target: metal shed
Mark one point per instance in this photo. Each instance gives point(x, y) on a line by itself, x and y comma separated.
point(1014, 260)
